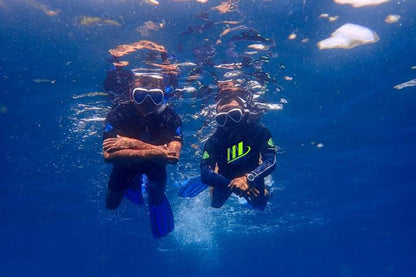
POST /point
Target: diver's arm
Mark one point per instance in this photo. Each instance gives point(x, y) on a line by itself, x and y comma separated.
point(209, 172)
point(119, 143)
point(265, 168)
point(133, 155)
point(211, 178)
point(120, 148)
point(268, 155)
point(242, 186)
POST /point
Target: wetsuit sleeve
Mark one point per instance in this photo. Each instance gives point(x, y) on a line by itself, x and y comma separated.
point(208, 174)
point(268, 156)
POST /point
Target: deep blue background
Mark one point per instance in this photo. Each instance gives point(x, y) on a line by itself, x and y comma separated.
point(346, 209)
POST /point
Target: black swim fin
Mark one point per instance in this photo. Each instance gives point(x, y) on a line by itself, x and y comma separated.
point(192, 188)
point(161, 218)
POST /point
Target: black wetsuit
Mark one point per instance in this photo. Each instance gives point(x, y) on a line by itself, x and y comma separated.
point(157, 129)
point(250, 149)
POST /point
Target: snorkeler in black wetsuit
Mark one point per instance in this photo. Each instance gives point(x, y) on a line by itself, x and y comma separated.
point(237, 156)
point(142, 136)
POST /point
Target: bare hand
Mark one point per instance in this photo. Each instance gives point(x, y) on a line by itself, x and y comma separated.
point(171, 157)
point(241, 187)
point(118, 143)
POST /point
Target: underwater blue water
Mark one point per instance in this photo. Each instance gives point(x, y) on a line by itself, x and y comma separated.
point(344, 209)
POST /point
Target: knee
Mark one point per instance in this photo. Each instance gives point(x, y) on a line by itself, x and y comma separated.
point(259, 204)
point(216, 204)
point(111, 203)
point(219, 197)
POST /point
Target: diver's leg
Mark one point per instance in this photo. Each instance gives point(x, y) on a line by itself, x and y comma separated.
point(113, 199)
point(156, 176)
point(219, 195)
point(134, 191)
point(119, 181)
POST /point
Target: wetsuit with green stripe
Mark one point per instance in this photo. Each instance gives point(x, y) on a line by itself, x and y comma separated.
point(250, 149)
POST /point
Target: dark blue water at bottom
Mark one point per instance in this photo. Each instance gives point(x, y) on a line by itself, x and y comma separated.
point(345, 209)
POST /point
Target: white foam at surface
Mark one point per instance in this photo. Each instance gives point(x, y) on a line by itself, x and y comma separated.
point(349, 36)
point(392, 18)
point(94, 119)
point(360, 3)
point(258, 46)
point(411, 83)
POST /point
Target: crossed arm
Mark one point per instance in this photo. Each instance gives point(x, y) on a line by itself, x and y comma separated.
point(128, 150)
point(238, 185)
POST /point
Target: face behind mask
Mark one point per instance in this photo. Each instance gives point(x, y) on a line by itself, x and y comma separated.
point(230, 117)
point(148, 101)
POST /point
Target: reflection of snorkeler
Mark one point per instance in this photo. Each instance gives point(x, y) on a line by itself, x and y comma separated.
point(118, 77)
point(142, 136)
point(117, 84)
point(238, 155)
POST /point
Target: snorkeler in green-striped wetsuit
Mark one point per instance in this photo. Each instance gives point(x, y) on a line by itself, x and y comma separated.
point(238, 155)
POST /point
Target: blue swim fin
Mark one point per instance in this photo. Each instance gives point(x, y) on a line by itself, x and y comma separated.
point(161, 218)
point(134, 196)
point(135, 192)
point(192, 188)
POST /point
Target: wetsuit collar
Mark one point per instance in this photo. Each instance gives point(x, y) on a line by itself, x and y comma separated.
point(157, 112)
